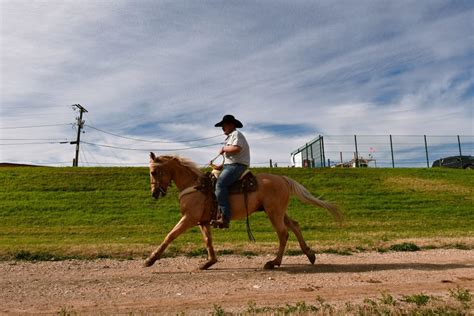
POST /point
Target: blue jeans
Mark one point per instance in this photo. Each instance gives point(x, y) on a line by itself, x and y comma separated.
point(230, 174)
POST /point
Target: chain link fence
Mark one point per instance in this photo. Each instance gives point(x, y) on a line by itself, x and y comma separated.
point(384, 151)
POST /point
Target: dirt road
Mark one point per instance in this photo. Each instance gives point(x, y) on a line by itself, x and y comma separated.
point(174, 285)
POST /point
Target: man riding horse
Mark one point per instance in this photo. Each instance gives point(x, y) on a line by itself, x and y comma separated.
point(236, 154)
point(272, 197)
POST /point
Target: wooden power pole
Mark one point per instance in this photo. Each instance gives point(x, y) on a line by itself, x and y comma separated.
point(80, 125)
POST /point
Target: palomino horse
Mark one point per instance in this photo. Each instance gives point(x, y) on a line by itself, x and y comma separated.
point(272, 196)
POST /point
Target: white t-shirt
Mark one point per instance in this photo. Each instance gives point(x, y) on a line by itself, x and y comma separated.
point(236, 138)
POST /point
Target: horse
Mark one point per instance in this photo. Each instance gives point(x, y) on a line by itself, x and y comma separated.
point(272, 196)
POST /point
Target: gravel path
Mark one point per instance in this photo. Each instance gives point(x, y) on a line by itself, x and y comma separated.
point(174, 285)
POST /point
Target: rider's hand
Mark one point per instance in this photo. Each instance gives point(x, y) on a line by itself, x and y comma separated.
point(222, 151)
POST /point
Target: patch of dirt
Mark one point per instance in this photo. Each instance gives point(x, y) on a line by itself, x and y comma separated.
point(175, 285)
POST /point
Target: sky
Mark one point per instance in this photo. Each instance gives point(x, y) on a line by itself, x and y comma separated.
point(167, 71)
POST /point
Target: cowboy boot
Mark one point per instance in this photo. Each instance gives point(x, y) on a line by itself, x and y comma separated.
point(220, 222)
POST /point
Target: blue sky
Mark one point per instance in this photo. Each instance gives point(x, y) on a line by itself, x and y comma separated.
point(168, 70)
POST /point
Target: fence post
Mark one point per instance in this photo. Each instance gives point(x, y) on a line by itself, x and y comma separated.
point(271, 163)
point(426, 150)
point(391, 150)
point(357, 152)
point(459, 144)
point(307, 153)
point(321, 161)
point(312, 155)
point(324, 155)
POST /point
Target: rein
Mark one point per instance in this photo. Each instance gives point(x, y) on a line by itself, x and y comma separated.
point(193, 189)
point(211, 164)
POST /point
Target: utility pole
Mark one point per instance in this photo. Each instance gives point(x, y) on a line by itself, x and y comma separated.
point(80, 125)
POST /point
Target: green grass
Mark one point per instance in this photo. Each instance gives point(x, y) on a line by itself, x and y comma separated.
point(386, 304)
point(417, 304)
point(406, 246)
point(94, 212)
point(418, 299)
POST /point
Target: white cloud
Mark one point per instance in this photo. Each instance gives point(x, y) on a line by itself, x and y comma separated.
point(338, 68)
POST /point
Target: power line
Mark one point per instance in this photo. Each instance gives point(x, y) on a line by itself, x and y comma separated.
point(30, 115)
point(35, 143)
point(49, 139)
point(34, 126)
point(143, 164)
point(14, 107)
point(83, 154)
point(38, 163)
point(153, 141)
point(89, 153)
point(49, 163)
point(109, 149)
point(154, 149)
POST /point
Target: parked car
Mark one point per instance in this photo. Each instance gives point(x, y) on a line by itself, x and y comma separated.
point(459, 162)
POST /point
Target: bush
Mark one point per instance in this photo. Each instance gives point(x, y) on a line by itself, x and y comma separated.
point(406, 246)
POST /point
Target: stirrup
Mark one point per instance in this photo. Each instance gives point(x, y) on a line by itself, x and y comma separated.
point(220, 222)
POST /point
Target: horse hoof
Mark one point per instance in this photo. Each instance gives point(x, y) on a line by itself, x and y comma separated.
point(269, 265)
point(149, 262)
point(207, 265)
point(312, 258)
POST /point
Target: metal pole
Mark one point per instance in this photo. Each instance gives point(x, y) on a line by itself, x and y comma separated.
point(459, 144)
point(357, 152)
point(319, 151)
point(307, 155)
point(319, 162)
point(426, 151)
point(80, 124)
point(391, 150)
point(324, 154)
point(78, 139)
point(271, 164)
point(312, 155)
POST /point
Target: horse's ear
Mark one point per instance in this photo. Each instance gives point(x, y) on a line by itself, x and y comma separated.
point(152, 156)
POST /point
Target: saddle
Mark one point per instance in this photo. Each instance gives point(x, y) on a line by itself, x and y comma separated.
point(247, 183)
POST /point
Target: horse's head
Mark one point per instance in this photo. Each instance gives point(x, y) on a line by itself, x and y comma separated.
point(160, 176)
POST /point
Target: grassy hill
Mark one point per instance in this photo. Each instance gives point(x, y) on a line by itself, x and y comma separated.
point(98, 212)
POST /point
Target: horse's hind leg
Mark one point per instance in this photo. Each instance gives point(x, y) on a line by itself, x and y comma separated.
point(282, 232)
point(295, 228)
point(211, 255)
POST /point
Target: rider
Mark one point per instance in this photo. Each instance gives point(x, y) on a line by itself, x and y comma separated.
point(236, 160)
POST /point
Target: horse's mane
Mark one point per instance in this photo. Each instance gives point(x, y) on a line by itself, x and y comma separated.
point(185, 162)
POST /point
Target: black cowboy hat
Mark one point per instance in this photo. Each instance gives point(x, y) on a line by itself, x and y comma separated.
point(230, 119)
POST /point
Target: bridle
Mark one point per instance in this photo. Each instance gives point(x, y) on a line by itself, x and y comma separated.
point(157, 183)
point(186, 191)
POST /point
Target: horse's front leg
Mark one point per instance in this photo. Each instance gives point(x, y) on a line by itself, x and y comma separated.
point(180, 228)
point(211, 255)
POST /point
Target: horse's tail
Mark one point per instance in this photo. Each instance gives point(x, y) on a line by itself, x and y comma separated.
point(305, 196)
